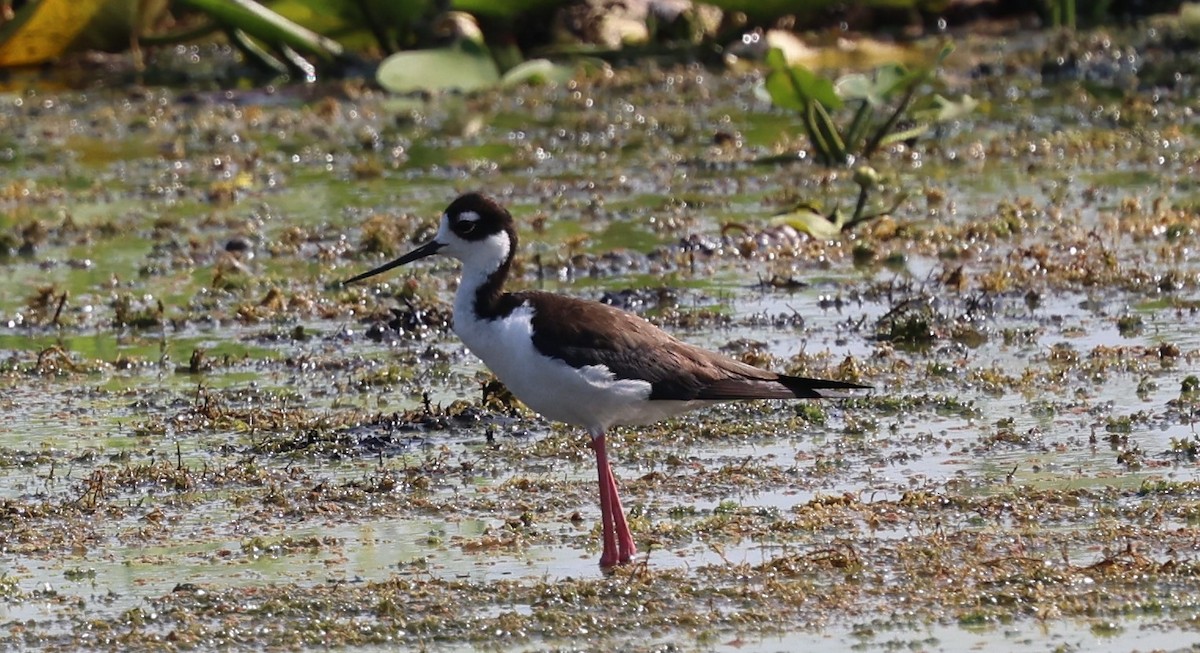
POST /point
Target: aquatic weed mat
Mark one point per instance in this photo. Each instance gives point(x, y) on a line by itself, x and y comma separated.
point(208, 442)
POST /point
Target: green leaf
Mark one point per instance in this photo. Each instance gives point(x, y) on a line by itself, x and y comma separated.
point(832, 143)
point(876, 89)
point(903, 135)
point(782, 92)
point(776, 59)
point(857, 86)
point(441, 69)
point(793, 87)
point(809, 85)
point(503, 8)
point(389, 24)
point(333, 16)
point(812, 223)
point(946, 110)
point(537, 71)
point(854, 134)
point(265, 25)
point(893, 77)
point(947, 48)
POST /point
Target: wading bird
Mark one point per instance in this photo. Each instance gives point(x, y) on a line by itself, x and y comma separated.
point(582, 362)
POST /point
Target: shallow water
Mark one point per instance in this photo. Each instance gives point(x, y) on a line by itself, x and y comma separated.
point(247, 443)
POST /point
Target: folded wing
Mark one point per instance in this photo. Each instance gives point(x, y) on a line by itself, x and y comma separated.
point(583, 333)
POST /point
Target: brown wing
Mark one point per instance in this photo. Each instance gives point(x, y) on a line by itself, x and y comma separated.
point(585, 333)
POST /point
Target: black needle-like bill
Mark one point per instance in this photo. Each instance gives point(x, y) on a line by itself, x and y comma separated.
point(428, 249)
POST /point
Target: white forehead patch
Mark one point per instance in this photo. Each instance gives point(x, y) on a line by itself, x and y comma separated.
point(469, 216)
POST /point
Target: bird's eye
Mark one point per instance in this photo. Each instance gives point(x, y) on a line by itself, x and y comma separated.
point(466, 226)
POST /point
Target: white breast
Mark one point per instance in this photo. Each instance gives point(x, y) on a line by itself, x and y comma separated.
point(590, 396)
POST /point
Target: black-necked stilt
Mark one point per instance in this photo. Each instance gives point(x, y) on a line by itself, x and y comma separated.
point(578, 361)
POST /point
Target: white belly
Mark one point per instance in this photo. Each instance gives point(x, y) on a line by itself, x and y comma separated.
point(590, 397)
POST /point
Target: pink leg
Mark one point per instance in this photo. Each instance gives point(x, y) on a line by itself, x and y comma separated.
point(608, 556)
point(625, 546)
point(618, 541)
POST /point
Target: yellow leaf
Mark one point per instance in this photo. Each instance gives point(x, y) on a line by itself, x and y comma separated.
point(46, 29)
point(813, 223)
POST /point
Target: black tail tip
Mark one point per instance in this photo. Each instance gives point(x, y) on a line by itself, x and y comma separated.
point(806, 387)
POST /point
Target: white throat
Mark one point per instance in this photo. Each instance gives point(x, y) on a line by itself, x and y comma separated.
point(480, 258)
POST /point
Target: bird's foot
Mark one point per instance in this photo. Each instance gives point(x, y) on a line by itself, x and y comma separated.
point(621, 555)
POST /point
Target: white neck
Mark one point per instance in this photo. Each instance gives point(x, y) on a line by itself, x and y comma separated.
point(479, 260)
